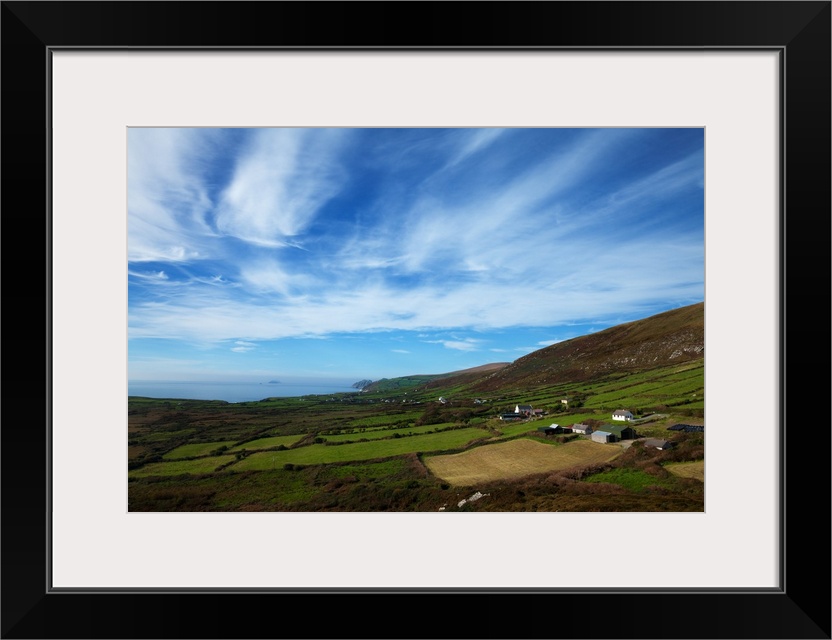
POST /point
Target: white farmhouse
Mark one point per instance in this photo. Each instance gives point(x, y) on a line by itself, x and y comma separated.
point(622, 414)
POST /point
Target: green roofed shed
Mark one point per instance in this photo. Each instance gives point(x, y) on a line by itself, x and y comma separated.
point(620, 431)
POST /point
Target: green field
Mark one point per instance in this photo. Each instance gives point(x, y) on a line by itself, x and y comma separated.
point(381, 433)
point(630, 479)
point(195, 450)
point(648, 388)
point(359, 452)
point(168, 435)
point(678, 385)
point(178, 467)
point(324, 454)
point(383, 420)
point(266, 443)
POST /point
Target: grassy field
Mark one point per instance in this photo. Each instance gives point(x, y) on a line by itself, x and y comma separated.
point(179, 467)
point(631, 479)
point(398, 484)
point(326, 454)
point(167, 436)
point(387, 419)
point(266, 443)
point(195, 450)
point(668, 386)
point(388, 452)
point(695, 470)
point(516, 459)
point(378, 434)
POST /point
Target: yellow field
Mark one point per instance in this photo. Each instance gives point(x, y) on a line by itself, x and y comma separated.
point(517, 458)
point(688, 469)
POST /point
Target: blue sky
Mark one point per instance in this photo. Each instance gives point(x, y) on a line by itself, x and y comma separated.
point(343, 254)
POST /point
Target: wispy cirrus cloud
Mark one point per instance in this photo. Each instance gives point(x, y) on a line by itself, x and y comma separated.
point(482, 225)
point(149, 275)
point(241, 237)
point(471, 142)
point(241, 346)
point(557, 296)
point(466, 344)
point(280, 180)
point(167, 198)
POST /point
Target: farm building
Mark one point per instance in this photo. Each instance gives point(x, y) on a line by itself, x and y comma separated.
point(565, 400)
point(602, 436)
point(658, 443)
point(581, 428)
point(687, 428)
point(510, 416)
point(622, 414)
point(619, 431)
point(554, 428)
point(523, 409)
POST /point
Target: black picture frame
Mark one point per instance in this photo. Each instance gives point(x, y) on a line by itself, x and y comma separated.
point(799, 31)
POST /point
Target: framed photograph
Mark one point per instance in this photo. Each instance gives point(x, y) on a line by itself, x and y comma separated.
point(96, 94)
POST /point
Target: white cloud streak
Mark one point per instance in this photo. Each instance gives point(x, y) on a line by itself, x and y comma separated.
point(547, 343)
point(279, 183)
point(483, 254)
point(600, 287)
point(487, 231)
point(153, 276)
point(466, 344)
point(167, 201)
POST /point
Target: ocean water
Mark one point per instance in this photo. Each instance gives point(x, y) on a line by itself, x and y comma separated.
point(232, 391)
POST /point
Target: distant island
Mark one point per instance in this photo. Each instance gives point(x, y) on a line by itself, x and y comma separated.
point(274, 381)
point(361, 384)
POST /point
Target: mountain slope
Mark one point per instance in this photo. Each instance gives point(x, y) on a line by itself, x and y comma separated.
point(674, 336)
point(670, 337)
point(428, 381)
